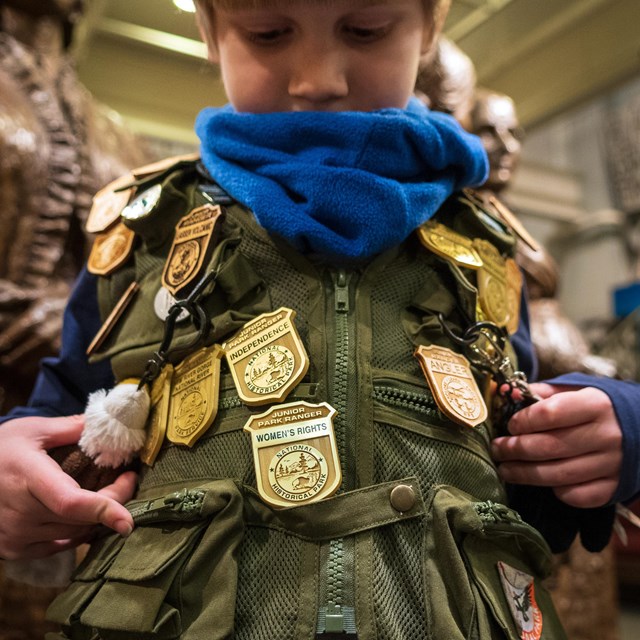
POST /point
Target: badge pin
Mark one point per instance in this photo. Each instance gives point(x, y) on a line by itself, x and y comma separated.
point(189, 249)
point(449, 244)
point(142, 205)
point(163, 302)
point(514, 293)
point(108, 203)
point(267, 358)
point(519, 589)
point(194, 395)
point(110, 250)
point(452, 384)
point(158, 415)
point(295, 453)
point(492, 283)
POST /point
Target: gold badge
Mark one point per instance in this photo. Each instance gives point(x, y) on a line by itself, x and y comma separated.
point(108, 203)
point(492, 283)
point(194, 395)
point(267, 358)
point(514, 293)
point(141, 206)
point(449, 244)
point(452, 384)
point(192, 238)
point(158, 415)
point(110, 250)
point(295, 453)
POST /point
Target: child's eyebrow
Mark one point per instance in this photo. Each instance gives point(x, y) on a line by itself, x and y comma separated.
point(267, 4)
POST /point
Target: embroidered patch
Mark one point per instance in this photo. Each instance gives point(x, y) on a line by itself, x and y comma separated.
point(520, 593)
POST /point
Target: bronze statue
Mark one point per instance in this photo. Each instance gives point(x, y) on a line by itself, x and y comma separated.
point(57, 148)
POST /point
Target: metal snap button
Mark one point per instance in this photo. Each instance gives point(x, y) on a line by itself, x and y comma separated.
point(403, 498)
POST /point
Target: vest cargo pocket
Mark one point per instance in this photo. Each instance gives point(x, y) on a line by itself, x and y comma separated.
point(163, 581)
point(484, 570)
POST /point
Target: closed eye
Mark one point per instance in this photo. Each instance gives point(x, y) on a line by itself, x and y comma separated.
point(268, 37)
point(365, 34)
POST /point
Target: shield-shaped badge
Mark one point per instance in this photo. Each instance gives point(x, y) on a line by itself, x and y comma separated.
point(110, 250)
point(108, 204)
point(452, 384)
point(492, 283)
point(194, 395)
point(189, 249)
point(158, 415)
point(295, 453)
point(449, 244)
point(267, 358)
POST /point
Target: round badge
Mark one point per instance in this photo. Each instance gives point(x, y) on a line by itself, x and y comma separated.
point(269, 369)
point(298, 472)
point(143, 204)
point(163, 302)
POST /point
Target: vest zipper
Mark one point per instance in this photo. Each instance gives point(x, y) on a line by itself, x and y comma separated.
point(335, 617)
point(410, 400)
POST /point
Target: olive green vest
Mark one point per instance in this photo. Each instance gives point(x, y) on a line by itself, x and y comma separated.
point(409, 547)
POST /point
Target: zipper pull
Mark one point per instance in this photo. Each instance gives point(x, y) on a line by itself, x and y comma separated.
point(182, 505)
point(342, 292)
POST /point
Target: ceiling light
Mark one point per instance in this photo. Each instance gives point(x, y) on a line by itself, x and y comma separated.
point(185, 5)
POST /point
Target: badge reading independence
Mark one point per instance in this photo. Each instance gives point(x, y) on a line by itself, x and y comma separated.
point(519, 589)
point(194, 395)
point(267, 358)
point(449, 244)
point(295, 453)
point(189, 249)
point(452, 384)
point(158, 415)
point(492, 283)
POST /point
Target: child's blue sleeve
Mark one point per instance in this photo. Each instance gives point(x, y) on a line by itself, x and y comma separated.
point(65, 381)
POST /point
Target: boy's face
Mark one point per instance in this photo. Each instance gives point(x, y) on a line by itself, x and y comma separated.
point(338, 55)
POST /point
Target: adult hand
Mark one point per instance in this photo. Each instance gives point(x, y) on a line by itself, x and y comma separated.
point(42, 509)
point(570, 441)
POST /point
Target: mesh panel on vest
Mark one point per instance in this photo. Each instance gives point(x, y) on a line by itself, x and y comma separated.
point(398, 593)
point(227, 455)
point(284, 282)
point(395, 290)
point(436, 462)
point(267, 605)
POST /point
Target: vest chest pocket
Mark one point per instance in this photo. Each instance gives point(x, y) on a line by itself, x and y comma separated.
point(484, 570)
point(164, 581)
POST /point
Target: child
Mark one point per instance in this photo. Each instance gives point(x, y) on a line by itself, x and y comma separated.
point(316, 461)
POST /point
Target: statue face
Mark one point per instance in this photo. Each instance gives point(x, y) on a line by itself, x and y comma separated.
point(63, 8)
point(494, 119)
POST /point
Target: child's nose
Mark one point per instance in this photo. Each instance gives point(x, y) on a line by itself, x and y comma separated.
point(318, 77)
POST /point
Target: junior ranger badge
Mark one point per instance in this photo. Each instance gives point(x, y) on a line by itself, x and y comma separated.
point(189, 249)
point(295, 453)
point(110, 250)
point(492, 283)
point(194, 395)
point(267, 358)
point(449, 244)
point(158, 415)
point(452, 384)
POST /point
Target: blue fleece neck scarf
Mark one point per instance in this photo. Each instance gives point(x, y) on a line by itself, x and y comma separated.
point(341, 185)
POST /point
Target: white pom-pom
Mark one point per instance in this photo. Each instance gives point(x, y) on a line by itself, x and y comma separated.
point(53, 571)
point(114, 429)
